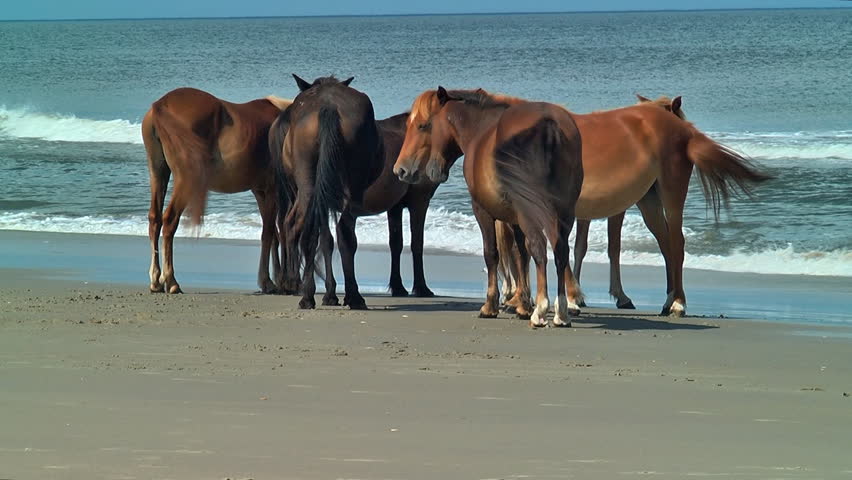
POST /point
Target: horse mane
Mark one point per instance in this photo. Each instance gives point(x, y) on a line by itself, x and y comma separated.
point(663, 102)
point(422, 107)
point(280, 103)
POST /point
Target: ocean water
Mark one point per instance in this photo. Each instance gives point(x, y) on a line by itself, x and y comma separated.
point(772, 84)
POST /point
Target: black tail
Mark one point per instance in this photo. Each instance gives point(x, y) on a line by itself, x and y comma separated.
point(527, 170)
point(329, 183)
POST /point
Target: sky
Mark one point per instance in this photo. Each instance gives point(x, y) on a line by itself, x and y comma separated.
point(91, 9)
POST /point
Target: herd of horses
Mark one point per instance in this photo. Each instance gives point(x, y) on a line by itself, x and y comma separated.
point(532, 169)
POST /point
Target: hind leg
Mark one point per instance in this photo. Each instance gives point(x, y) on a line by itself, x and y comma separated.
point(291, 233)
point(651, 208)
point(395, 243)
point(266, 206)
point(348, 243)
point(171, 221)
point(537, 247)
point(567, 286)
point(489, 248)
point(327, 247)
point(673, 194)
point(581, 246)
point(614, 224)
point(308, 240)
point(520, 301)
point(159, 174)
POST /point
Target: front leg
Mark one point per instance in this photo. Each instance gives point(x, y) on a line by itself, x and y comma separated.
point(348, 244)
point(489, 248)
point(417, 211)
point(395, 242)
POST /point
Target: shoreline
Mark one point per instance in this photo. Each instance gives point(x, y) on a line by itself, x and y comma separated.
point(124, 260)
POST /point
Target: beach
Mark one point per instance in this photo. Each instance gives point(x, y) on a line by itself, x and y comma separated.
point(101, 379)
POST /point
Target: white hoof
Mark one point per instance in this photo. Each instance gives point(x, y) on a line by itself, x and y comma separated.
point(539, 316)
point(564, 309)
point(677, 310)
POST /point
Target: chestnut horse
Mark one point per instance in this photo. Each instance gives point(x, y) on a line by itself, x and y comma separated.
point(332, 153)
point(207, 144)
point(508, 268)
point(522, 166)
point(640, 155)
point(386, 194)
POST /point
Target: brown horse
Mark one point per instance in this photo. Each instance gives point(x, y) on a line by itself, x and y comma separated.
point(642, 155)
point(386, 194)
point(522, 165)
point(207, 144)
point(581, 243)
point(332, 153)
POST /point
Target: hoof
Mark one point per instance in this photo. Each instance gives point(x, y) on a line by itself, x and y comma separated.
point(511, 309)
point(561, 323)
point(582, 304)
point(157, 288)
point(175, 289)
point(523, 315)
point(535, 325)
point(399, 292)
point(422, 292)
point(330, 300)
point(623, 306)
point(487, 314)
point(354, 302)
point(677, 310)
point(307, 303)
point(268, 288)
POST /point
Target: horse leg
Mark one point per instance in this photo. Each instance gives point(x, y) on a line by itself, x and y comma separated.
point(348, 243)
point(614, 224)
point(506, 267)
point(327, 247)
point(291, 233)
point(673, 194)
point(489, 248)
point(581, 246)
point(171, 220)
point(308, 239)
point(159, 174)
point(651, 208)
point(266, 206)
point(537, 246)
point(395, 242)
point(521, 269)
point(565, 307)
point(417, 215)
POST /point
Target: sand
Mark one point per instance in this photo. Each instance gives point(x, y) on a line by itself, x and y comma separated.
point(107, 381)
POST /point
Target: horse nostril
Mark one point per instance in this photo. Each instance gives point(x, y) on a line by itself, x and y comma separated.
point(400, 172)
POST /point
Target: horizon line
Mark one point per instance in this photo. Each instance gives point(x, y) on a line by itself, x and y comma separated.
point(356, 15)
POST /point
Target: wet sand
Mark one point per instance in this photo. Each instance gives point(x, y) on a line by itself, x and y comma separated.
point(108, 381)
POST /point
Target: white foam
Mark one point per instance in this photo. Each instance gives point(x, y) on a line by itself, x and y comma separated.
point(798, 145)
point(23, 123)
point(459, 233)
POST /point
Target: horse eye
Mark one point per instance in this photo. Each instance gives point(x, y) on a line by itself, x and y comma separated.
point(423, 126)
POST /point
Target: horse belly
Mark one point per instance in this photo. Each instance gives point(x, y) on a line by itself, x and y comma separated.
point(235, 173)
point(603, 196)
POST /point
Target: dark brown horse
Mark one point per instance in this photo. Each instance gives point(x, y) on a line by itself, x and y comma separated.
point(207, 144)
point(332, 153)
point(386, 194)
point(642, 155)
point(522, 165)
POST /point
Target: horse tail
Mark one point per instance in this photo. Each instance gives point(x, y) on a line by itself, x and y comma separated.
point(527, 168)
point(723, 172)
point(329, 181)
point(180, 141)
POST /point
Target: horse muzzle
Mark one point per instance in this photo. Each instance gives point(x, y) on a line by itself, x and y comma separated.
point(407, 175)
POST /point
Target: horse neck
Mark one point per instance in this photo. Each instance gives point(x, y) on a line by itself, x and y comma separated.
point(469, 121)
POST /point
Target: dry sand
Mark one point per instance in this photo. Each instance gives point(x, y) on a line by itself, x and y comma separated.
point(105, 381)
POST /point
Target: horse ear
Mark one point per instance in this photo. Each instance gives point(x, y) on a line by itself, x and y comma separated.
point(348, 81)
point(443, 96)
point(642, 99)
point(676, 103)
point(303, 85)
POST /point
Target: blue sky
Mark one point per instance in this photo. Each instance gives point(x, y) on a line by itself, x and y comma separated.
point(69, 9)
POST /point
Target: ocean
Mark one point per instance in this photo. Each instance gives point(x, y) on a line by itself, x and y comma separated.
point(773, 84)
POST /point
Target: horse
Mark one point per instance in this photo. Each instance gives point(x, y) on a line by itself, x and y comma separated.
point(508, 268)
point(208, 144)
point(640, 155)
point(523, 165)
point(332, 153)
point(386, 194)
